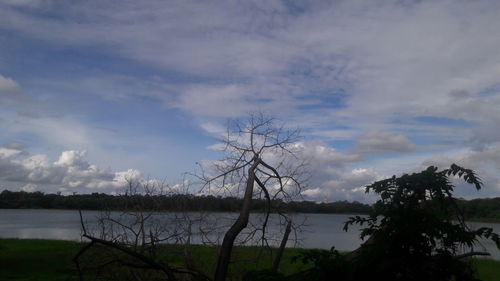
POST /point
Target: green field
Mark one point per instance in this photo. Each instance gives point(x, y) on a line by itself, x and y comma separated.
point(51, 260)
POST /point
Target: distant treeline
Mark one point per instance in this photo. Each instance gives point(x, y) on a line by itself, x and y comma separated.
point(178, 202)
point(484, 208)
point(488, 208)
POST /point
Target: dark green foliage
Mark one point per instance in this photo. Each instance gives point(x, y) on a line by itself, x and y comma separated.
point(416, 232)
point(482, 209)
point(174, 202)
point(263, 275)
point(417, 229)
point(338, 207)
point(327, 265)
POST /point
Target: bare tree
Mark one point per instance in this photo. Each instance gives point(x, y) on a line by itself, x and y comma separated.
point(128, 244)
point(260, 152)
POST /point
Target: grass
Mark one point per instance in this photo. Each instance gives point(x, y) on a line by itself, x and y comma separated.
point(37, 260)
point(51, 260)
point(488, 269)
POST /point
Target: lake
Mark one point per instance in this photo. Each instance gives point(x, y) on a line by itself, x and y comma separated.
point(319, 231)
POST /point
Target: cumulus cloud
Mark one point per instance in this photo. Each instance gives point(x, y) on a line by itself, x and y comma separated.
point(333, 174)
point(486, 163)
point(70, 171)
point(321, 154)
point(341, 176)
point(72, 158)
point(349, 185)
point(384, 142)
point(29, 187)
point(329, 172)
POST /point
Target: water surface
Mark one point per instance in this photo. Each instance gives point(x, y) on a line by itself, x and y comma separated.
point(320, 230)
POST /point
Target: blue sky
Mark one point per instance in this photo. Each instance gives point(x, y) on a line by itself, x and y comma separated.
point(92, 92)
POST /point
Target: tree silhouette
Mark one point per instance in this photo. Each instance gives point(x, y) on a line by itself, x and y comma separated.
point(258, 152)
point(416, 232)
point(128, 244)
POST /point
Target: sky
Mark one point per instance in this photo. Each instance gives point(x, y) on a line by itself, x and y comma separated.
point(96, 92)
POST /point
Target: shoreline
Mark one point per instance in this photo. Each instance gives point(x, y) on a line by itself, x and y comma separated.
point(474, 219)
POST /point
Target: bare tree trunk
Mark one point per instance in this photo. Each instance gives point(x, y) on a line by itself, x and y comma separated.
point(244, 145)
point(281, 249)
point(236, 228)
point(187, 249)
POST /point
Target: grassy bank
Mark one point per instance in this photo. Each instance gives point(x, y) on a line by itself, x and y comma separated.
point(50, 260)
point(37, 259)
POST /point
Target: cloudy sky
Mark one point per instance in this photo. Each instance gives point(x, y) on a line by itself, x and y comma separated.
point(93, 92)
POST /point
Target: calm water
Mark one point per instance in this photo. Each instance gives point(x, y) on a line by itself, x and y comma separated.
point(321, 230)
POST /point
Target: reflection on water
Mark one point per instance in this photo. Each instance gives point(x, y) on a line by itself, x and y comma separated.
point(41, 224)
point(322, 230)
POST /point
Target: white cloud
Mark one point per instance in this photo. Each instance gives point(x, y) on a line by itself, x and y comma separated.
point(324, 155)
point(394, 60)
point(72, 158)
point(332, 176)
point(391, 58)
point(214, 129)
point(29, 187)
point(71, 172)
point(340, 176)
point(486, 163)
point(8, 152)
point(350, 185)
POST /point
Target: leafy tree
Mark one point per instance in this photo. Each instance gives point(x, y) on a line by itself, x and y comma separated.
point(416, 230)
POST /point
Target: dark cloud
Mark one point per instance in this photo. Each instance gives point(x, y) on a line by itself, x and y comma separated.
point(383, 142)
